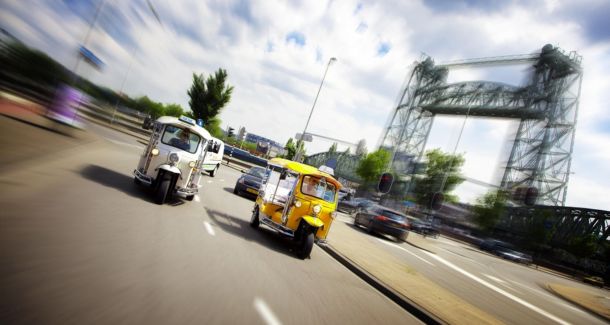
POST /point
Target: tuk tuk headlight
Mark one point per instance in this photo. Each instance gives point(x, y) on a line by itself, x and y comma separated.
point(317, 208)
point(154, 152)
point(174, 158)
point(297, 203)
point(192, 164)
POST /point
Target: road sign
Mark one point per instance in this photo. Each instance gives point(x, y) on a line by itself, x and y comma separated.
point(306, 138)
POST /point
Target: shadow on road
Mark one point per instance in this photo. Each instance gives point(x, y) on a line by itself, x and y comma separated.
point(262, 235)
point(113, 179)
point(250, 197)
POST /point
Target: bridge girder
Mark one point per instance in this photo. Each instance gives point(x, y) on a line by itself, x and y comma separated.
point(546, 107)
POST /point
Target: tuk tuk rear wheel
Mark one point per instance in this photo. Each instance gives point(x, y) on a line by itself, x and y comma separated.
point(305, 246)
point(162, 190)
point(254, 221)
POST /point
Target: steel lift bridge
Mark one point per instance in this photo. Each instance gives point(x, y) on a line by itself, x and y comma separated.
point(546, 108)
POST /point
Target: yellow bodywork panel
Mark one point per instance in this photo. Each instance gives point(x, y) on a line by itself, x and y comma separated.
point(314, 222)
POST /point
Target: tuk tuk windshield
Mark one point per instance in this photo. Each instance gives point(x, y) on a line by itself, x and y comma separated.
point(318, 187)
point(181, 138)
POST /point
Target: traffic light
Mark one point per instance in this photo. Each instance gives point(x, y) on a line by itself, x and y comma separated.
point(531, 195)
point(385, 182)
point(436, 200)
point(230, 133)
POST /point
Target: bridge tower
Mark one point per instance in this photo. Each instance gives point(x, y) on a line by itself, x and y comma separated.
point(546, 107)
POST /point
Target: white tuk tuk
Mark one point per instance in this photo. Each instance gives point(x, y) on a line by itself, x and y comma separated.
point(172, 162)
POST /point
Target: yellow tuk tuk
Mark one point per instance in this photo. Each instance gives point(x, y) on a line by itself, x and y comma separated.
point(297, 201)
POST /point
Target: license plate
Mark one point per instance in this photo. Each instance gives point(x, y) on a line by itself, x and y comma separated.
point(251, 190)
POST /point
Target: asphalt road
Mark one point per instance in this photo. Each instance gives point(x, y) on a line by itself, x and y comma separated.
point(513, 293)
point(80, 243)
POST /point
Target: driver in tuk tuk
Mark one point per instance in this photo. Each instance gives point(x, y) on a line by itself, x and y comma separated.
point(310, 186)
point(183, 141)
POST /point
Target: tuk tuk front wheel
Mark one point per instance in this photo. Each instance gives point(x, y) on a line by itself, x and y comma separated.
point(162, 190)
point(305, 246)
point(254, 221)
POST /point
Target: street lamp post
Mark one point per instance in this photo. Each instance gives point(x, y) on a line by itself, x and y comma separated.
point(299, 154)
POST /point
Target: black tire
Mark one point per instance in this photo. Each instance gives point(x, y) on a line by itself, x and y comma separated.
point(136, 181)
point(305, 246)
point(356, 220)
point(403, 237)
point(235, 191)
point(190, 197)
point(254, 220)
point(369, 227)
point(213, 172)
point(162, 190)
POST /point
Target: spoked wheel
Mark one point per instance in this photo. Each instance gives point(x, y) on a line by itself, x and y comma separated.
point(162, 191)
point(305, 246)
point(254, 221)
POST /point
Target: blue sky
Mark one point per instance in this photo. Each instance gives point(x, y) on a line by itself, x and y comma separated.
point(276, 52)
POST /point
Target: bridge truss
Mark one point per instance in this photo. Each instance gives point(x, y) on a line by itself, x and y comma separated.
point(546, 108)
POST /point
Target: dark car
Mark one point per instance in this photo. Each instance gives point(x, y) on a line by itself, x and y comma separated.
point(351, 206)
point(378, 219)
point(505, 250)
point(425, 228)
point(250, 181)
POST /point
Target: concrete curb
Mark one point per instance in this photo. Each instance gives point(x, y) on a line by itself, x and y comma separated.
point(405, 303)
point(583, 306)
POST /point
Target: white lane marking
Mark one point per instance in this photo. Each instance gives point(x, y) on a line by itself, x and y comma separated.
point(551, 297)
point(197, 199)
point(498, 290)
point(494, 278)
point(208, 228)
point(124, 143)
point(265, 312)
point(404, 249)
point(502, 283)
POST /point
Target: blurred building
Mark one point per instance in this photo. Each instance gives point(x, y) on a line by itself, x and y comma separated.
point(271, 148)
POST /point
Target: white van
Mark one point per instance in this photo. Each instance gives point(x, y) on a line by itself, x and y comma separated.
point(213, 158)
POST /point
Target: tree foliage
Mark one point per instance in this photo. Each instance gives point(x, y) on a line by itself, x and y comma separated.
point(209, 96)
point(333, 148)
point(373, 165)
point(439, 166)
point(361, 148)
point(489, 208)
point(290, 148)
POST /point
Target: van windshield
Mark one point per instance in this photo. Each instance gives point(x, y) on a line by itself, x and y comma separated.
point(181, 138)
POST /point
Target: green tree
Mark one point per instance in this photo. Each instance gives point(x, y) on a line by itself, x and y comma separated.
point(361, 148)
point(173, 110)
point(489, 208)
point(373, 165)
point(440, 166)
point(209, 96)
point(290, 148)
point(333, 148)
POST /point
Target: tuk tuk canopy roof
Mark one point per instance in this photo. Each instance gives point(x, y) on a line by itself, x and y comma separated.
point(304, 169)
point(193, 128)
